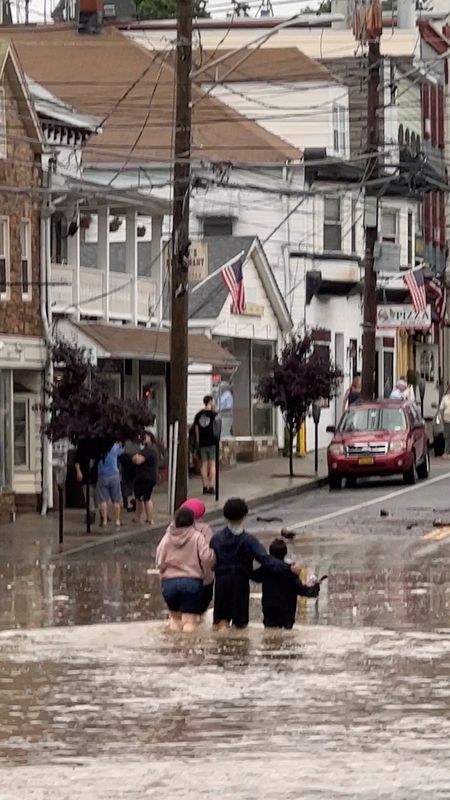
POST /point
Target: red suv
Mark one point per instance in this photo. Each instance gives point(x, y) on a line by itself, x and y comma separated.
point(382, 437)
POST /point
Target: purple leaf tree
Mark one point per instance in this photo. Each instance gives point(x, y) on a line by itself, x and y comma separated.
point(301, 374)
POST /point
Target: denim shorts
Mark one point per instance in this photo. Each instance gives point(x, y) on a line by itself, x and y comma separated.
point(108, 488)
point(183, 594)
point(208, 453)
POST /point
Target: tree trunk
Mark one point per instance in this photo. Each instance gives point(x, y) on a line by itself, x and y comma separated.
point(291, 447)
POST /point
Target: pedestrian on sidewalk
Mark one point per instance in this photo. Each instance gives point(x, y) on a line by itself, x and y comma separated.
point(198, 508)
point(128, 474)
point(444, 408)
point(184, 560)
point(206, 443)
point(353, 393)
point(399, 393)
point(146, 463)
point(281, 589)
point(235, 551)
point(108, 485)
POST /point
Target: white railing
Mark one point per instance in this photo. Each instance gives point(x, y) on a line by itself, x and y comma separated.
point(146, 299)
point(120, 298)
point(92, 293)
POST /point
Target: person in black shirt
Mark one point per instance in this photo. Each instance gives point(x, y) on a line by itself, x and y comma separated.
point(280, 590)
point(206, 442)
point(235, 552)
point(146, 462)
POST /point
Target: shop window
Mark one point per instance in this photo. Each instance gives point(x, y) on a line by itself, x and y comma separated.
point(21, 434)
point(25, 252)
point(389, 225)
point(262, 413)
point(217, 226)
point(324, 351)
point(4, 257)
point(332, 225)
point(427, 366)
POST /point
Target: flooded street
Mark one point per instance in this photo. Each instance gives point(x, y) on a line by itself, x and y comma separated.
point(125, 711)
point(354, 703)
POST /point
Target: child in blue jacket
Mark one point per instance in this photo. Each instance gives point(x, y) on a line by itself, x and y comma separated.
point(235, 552)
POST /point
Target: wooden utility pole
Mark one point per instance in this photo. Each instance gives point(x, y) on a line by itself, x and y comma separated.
point(371, 225)
point(180, 246)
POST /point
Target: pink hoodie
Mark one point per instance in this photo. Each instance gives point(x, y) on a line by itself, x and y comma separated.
point(184, 553)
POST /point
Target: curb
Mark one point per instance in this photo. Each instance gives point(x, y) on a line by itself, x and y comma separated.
point(211, 516)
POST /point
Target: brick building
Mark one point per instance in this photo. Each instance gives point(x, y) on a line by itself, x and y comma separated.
point(22, 351)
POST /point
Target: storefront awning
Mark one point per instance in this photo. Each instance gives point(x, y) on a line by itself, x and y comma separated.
point(152, 344)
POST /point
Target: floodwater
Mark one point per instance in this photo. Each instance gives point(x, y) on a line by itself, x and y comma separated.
point(352, 704)
point(127, 711)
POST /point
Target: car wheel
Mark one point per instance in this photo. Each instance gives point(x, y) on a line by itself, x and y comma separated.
point(410, 476)
point(350, 483)
point(335, 481)
point(423, 470)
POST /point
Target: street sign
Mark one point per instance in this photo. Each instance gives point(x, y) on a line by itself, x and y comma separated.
point(403, 316)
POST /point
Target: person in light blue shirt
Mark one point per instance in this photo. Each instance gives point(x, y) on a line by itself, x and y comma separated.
point(108, 485)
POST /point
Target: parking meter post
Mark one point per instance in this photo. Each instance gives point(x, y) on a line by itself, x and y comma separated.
point(316, 411)
point(422, 388)
point(217, 471)
point(88, 507)
point(61, 513)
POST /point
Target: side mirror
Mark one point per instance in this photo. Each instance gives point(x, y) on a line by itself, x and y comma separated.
point(331, 429)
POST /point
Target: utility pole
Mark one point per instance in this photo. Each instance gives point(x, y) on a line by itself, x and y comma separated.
point(180, 246)
point(371, 224)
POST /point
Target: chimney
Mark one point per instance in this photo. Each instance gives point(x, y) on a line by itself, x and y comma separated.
point(90, 16)
point(406, 14)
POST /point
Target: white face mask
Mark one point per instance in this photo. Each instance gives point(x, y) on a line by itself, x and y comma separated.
point(236, 531)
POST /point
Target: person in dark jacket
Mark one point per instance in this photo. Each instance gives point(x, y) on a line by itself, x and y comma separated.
point(280, 590)
point(235, 552)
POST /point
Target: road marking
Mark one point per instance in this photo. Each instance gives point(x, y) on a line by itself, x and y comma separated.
point(341, 512)
point(438, 533)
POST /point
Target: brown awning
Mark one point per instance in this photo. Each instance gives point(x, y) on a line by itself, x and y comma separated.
point(153, 344)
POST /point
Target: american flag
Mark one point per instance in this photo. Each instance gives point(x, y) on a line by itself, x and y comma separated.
point(415, 282)
point(437, 289)
point(233, 279)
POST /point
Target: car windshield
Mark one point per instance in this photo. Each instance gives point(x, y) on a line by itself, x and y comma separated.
point(373, 419)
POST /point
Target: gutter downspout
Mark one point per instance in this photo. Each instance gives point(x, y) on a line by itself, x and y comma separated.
point(47, 459)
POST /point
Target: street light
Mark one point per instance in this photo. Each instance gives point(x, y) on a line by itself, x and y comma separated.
point(316, 411)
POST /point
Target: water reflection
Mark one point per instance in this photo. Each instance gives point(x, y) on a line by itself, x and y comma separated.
point(124, 587)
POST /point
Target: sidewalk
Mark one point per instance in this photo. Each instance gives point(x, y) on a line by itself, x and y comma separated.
point(34, 538)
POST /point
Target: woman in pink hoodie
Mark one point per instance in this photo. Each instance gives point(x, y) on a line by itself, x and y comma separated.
point(184, 559)
point(199, 508)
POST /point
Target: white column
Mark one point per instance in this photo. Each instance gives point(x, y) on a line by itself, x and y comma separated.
point(131, 250)
point(156, 262)
point(73, 260)
point(103, 254)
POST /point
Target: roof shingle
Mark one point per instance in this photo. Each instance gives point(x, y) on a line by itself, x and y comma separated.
point(93, 73)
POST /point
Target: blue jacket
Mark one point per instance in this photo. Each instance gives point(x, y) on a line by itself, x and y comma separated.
point(279, 596)
point(235, 554)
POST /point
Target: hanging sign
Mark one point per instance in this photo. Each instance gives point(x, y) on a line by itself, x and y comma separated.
point(403, 316)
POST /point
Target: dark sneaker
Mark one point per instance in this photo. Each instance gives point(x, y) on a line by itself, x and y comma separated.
point(205, 490)
point(211, 490)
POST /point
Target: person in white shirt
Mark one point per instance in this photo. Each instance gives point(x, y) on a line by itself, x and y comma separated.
point(444, 408)
point(399, 393)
